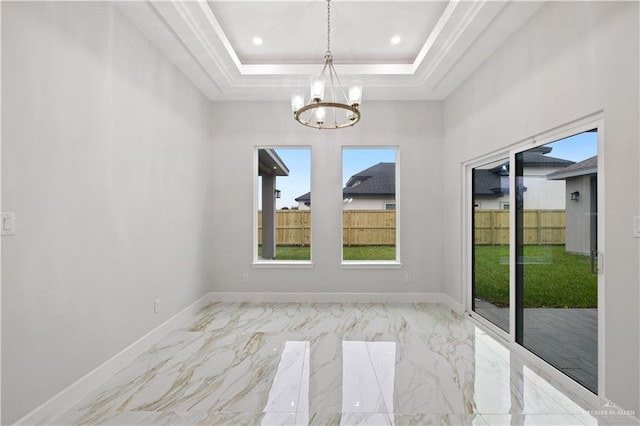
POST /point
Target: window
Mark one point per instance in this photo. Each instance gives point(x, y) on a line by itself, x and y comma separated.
point(370, 203)
point(283, 225)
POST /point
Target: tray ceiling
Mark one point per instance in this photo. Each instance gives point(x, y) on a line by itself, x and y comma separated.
point(440, 43)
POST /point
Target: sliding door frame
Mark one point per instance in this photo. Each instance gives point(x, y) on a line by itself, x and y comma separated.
point(593, 121)
point(469, 235)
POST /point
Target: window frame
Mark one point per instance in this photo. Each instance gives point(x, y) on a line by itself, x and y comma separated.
point(275, 263)
point(593, 121)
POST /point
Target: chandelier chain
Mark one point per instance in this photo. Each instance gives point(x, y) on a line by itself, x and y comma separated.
point(328, 113)
point(328, 26)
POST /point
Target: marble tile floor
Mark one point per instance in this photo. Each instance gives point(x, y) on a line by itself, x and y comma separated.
point(332, 364)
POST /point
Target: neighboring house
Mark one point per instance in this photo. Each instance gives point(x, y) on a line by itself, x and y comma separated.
point(580, 180)
point(371, 189)
point(491, 186)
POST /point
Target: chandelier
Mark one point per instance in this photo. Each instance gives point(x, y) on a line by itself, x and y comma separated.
point(337, 109)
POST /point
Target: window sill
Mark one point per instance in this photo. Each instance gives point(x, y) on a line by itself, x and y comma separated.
point(370, 264)
point(284, 264)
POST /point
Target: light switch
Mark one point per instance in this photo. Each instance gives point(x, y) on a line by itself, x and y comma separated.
point(636, 226)
point(8, 223)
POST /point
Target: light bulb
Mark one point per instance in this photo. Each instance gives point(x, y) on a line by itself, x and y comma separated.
point(317, 88)
point(297, 100)
point(320, 114)
point(355, 93)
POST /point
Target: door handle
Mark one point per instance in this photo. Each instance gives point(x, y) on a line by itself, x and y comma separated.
point(597, 262)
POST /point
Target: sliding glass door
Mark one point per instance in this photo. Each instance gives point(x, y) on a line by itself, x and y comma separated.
point(534, 251)
point(556, 284)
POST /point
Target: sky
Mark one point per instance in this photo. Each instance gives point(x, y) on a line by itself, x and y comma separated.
point(298, 160)
point(575, 148)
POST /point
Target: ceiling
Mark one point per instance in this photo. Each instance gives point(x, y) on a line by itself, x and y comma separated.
point(441, 43)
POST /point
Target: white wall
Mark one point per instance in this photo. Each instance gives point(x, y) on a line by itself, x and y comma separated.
point(105, 161)
point(413, 126)
point(543, 193)
point(570, 60)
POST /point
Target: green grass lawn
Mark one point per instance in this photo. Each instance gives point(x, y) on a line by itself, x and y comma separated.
point(350, 253)
point(557, 279)
point(369, 253)
point(291, 252)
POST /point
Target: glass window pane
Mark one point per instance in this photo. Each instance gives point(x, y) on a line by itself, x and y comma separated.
point(369, 204)
point(491, 242)
point(284, 204)
point(556, 232)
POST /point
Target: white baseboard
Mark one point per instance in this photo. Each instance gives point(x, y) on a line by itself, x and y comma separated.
point(452, 303)
point(68, 397)
point(336, 298)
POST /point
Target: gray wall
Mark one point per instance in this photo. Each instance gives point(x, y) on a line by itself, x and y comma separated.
point(105, 161)
point(413, 126)
point(570, 60)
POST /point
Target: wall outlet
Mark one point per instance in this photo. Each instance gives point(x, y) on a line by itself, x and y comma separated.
point(156, 306)
point(245, 278)
point(407, 278)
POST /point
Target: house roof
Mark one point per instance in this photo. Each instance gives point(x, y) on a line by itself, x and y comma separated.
point(586, 167)
point(375, 181)
point(270, 163)
point(487, 182)
point(378, 180)
point(537, 157)
point(304, 197)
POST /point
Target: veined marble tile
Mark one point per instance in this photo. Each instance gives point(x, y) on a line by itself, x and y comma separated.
point(608, 420)
point(365, 418)
point(329, 363)
point(439, 420)
point(361, 392)
point(396, 419)
point(221, 372)
point(430, 318)
point(278, 419)
point(128, 418)
point(532, 419)
point(286, 393)
point(246, 317)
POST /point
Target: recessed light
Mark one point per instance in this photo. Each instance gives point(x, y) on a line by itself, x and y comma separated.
point(396, 40)
point(257, 41)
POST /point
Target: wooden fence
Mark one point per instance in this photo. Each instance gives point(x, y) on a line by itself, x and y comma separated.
point(369, 228)
point(540, 227)
point(293, 227)
point(378, 227)
point(360, 227)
